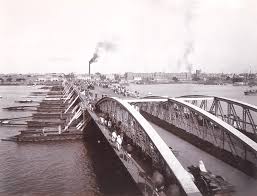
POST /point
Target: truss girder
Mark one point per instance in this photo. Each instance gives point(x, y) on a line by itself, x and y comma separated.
point(240, 115)
point(205, 126)
point(135, 127)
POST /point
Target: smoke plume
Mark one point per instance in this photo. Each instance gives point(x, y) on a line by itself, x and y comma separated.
point(189, 42)
point(106, 46)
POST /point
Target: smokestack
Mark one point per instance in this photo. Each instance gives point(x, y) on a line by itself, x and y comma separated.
point(100, 45)
point(92, 60)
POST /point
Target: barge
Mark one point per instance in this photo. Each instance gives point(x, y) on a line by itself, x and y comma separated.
point(39, 136)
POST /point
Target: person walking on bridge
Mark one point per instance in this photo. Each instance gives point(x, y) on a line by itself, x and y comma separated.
point(114, 136)
point(119, 142)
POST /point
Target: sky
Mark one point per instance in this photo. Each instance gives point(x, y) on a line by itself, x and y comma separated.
point(148, 35)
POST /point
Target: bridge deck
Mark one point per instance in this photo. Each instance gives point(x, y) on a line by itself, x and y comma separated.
point(190, 155)
point(226, 126)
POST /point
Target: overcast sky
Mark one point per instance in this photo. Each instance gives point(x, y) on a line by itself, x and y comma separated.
point(149, 35)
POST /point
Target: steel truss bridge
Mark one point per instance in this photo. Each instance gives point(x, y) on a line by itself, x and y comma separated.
point(223, 127)
point(240, 115)
point(202, 128)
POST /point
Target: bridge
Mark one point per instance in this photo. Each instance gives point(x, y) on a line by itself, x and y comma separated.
point(240, 115)
point(199, 120)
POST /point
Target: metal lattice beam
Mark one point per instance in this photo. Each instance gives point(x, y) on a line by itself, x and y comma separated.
point(146, 138)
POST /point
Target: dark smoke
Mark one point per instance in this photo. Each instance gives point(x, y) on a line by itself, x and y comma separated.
point(94, 58)
point(107, 46)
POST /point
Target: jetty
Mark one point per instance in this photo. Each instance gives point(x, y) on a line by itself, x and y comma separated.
point(48, 121)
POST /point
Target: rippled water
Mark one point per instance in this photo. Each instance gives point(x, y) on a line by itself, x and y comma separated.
point(50, 168)
point(56, 168)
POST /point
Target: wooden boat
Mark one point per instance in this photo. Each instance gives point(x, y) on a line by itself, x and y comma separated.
point(25, 101)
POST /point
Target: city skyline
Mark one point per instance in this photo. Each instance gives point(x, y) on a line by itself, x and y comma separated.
point(149, 36)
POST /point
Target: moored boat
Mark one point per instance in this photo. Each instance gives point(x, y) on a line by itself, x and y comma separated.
point(250, 92)
point(25, 101)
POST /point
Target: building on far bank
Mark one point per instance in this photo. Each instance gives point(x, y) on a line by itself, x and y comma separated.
point(29, 79)
point(110, 76)
point(158, 76)
point(198, 73)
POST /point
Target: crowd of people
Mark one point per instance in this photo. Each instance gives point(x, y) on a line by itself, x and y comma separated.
point(122, 90)
point(117, 139)
point(115, 130)
point(119, 89)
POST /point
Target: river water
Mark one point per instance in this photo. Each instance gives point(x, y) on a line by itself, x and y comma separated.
point(50, 168)
point(175, 90)
point(69, 168)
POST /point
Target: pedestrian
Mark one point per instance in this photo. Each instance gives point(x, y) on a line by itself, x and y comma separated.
point(119, 142)
point(114, 136)
point(109, 123)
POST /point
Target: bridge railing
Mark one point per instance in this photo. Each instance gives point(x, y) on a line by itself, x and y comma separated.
point(144, 137)
point(240, 115)
point(204, 130)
